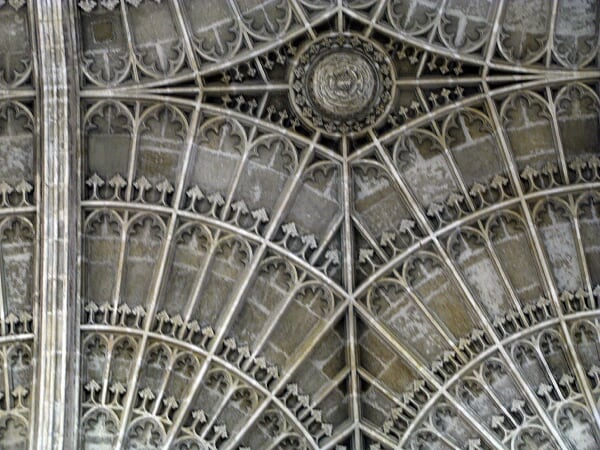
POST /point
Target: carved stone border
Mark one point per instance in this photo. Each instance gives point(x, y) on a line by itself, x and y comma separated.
point(55, 413)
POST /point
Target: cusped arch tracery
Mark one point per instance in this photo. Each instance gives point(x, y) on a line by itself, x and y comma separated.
point(263, 266)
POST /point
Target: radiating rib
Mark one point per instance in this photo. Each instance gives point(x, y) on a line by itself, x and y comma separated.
point(271, 45)
point(340, 436)
point(134, 71)
point(234, 303)
point(478, 214)
point(542, 80)
point(551, 32)
point(432, 319)
point(482, 318)
point(185, 37)
point(489, 52)
point(448, 156)
point(538, 250)
point(349, 269)
point(469, 418)
point(154, 292)
point(296, 360)
point(300, 13)
point(585, 272)
point(377, 12)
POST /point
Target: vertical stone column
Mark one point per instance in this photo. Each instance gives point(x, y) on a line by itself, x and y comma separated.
point(55, 407)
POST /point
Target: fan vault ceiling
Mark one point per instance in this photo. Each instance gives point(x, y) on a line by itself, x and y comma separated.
point(299, 224)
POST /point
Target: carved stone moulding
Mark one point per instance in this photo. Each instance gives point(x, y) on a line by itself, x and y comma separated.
point(300, 224)
point(341, 84)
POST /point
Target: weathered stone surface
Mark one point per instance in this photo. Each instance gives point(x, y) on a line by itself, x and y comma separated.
point(307, 224)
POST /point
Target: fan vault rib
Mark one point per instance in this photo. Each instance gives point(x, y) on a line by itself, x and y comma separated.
point(299, 224)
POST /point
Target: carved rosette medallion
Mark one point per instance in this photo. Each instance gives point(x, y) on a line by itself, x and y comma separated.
point(341, 84)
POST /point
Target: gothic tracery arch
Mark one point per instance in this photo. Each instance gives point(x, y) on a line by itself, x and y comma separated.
point(300, 224)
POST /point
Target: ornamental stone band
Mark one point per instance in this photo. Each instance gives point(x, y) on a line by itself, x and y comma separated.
point(300, 224)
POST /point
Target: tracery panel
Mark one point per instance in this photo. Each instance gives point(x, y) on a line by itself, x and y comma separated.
point(19, 235)
point(339, 225)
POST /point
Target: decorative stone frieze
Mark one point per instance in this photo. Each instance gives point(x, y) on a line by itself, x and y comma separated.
point(303, 224)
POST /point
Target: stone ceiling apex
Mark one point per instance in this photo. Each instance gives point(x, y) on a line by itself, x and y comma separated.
point(299, 224)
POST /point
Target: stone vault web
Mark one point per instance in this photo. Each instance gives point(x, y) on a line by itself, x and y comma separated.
point(299, 224)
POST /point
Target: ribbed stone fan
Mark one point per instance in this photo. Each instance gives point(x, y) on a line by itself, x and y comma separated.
point(307, 224)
